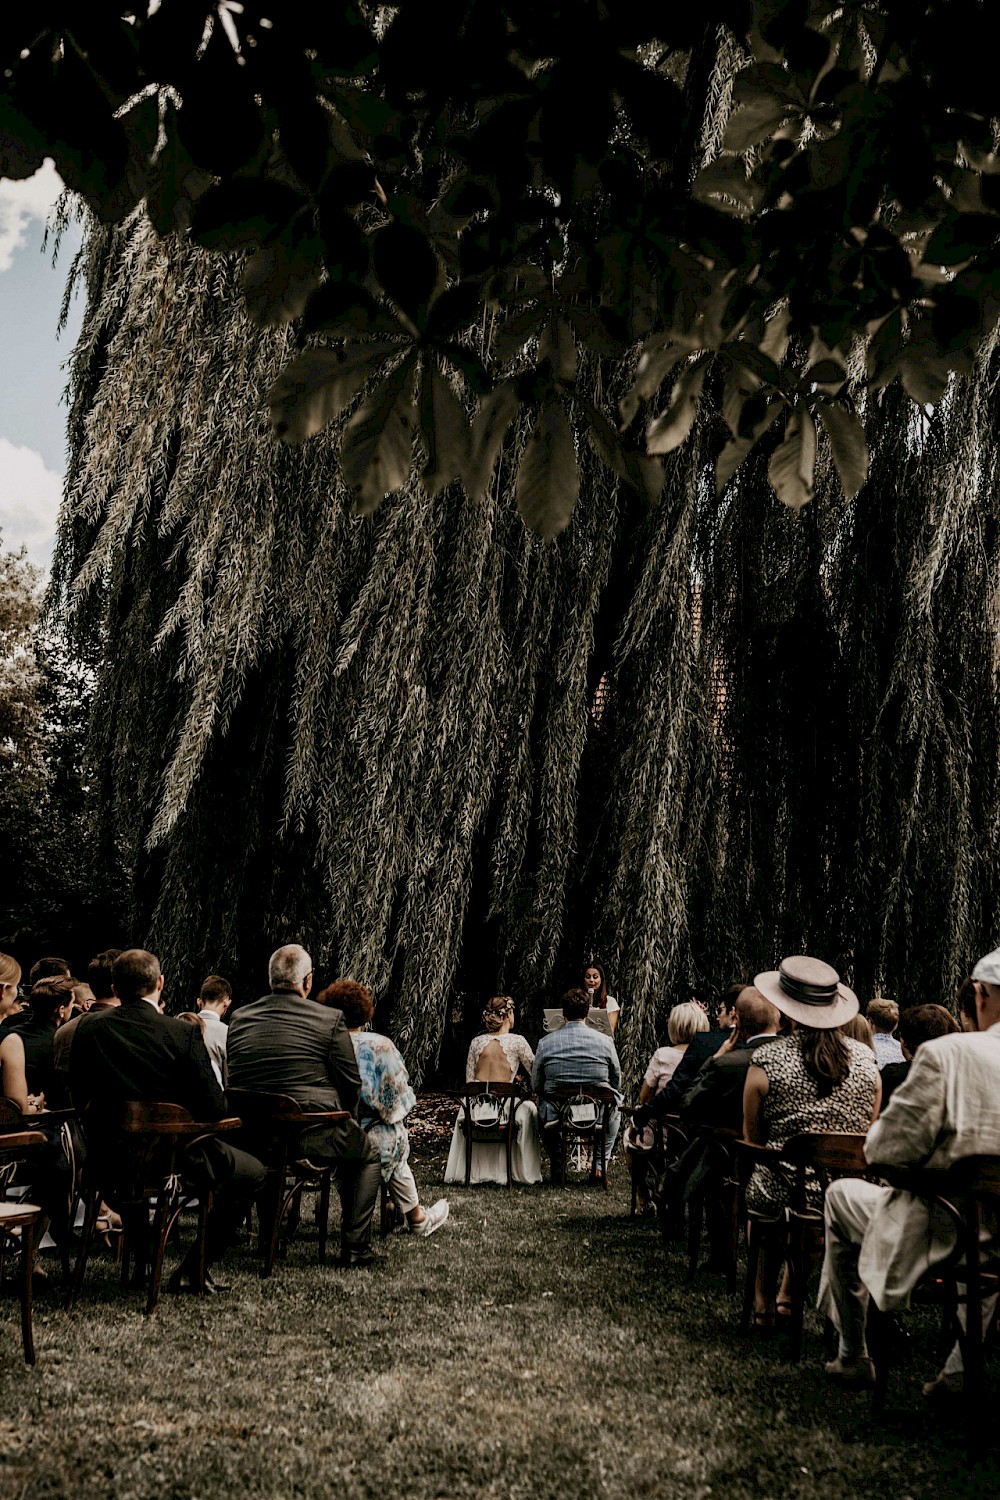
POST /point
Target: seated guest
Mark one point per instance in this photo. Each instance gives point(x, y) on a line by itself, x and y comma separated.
point(100, 979)
point(967, 1001)
point(858, 1029)
point(214, 999)
point(701, 1047)
point(498, 1055)
point(49, 968)
point(683, 1024)
point(10, 993)
point(883, 1017)
point(83, 997)
point(576, 1053)
point(102, 988)
point(50, 1169)
point(192, 1018)
point(386, 1100)
point(919, 1024)
point(716, 1099)
point(49, 1005)
point(880, 1240)
point(716, 1096)
point(13, 1079)
point(132, 1052)
point(286, 1043)
point(816, 1079)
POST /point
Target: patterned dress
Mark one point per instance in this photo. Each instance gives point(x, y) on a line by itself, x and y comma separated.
point(386, 1097)
point(792, 1106)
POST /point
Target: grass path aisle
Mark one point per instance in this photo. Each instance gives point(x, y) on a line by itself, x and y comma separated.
point(540, 1346)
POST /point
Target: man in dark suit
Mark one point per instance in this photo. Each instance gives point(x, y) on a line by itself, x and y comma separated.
point(286, 1043)
point(132, 1052)
point(716, 1096)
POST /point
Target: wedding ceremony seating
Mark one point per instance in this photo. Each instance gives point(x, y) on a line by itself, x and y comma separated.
point(276, 1130)
point(138, 1165)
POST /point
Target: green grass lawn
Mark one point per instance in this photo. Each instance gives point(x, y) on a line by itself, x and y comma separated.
point(541, 1345)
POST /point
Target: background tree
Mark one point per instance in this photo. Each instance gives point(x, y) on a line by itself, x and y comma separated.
point(52, 896)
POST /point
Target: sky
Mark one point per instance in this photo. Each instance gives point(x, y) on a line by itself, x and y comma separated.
point(32, 380)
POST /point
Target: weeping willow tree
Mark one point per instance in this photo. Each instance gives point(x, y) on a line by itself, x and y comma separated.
point(377, 735)
point(446, 755)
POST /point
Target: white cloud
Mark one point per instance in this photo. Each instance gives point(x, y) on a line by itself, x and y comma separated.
point(21, 202)
point(29, 501)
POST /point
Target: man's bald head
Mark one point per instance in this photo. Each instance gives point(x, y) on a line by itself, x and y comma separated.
point(754, 1014)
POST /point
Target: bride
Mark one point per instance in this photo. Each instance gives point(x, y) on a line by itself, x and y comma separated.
point(495, 1057)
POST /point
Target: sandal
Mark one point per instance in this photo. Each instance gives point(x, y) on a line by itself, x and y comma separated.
point(764, 1322)
point(784, 1309)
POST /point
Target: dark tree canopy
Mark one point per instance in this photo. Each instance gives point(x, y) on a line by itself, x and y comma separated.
point(797, 199)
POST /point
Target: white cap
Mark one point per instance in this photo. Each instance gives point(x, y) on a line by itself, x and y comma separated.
point(987, 970)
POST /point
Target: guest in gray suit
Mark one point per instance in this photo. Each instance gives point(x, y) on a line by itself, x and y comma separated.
point(286, 1043)
point(576, 1053)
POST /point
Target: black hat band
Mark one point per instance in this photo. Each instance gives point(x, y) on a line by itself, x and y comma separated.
point(806, 993)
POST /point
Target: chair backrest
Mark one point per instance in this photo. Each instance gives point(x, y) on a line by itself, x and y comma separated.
point(482, 1122)
point(827, 1152)
point(260, 1104)
point(155, 1117)
point(572, 1101)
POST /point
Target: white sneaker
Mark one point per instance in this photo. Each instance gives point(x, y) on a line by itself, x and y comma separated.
point(433, 1218)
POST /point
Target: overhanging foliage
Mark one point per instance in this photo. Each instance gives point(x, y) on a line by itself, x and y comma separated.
point(564, 178)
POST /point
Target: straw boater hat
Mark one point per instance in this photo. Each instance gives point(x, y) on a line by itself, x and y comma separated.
point(810, 992)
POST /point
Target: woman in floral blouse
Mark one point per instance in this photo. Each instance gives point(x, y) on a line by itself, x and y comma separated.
point(386, 1100)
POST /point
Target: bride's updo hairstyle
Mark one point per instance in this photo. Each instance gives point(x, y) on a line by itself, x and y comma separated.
point(498, 1010)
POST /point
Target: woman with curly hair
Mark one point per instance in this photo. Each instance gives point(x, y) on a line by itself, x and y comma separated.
point(497, 1055)
point(386, 1100)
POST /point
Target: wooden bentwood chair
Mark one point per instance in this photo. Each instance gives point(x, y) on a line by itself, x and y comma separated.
point(583, 1112)
point(277, 1130)
point(26, 1219)
point(498, 1128)
point(799, 1226)
point(968, 1194)
point(135, 1157)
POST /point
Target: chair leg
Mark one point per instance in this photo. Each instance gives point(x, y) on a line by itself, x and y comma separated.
point(510, 1147)
point(796, 1252)
point(27, 1268)
point(732, 1270)
point(166, 1205)
point(91, 1211)
point(696, 1214)
point(750, 1284)
point(324, 1212)
point(879, 1343)
point(269, 1217)
point(205, 1202)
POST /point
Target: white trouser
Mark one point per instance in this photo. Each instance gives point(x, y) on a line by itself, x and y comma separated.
point(850, 1205)
point(403, 1189)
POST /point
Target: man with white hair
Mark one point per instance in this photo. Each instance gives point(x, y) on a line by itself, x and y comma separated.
point(880, 1240)
point(286, 1043)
